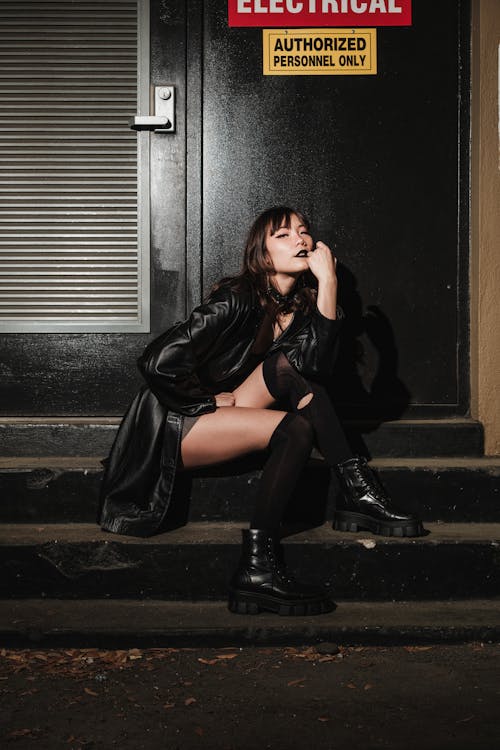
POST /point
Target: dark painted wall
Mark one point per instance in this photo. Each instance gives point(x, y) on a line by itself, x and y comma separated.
point(380, 163)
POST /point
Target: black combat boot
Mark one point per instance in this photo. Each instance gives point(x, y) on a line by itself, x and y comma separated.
point(363, 503)
point(262, 582)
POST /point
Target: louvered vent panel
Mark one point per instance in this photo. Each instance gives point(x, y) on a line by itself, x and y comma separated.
point(68, 165)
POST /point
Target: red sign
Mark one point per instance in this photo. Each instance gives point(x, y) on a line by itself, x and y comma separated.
point(305, 13)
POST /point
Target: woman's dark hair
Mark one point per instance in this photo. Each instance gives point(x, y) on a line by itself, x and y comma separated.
point(258, 266)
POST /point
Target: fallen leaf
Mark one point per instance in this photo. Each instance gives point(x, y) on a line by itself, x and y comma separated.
point(367, 543)
point(134, 653)
point(351, 685)
point(468, 718)
point(168, 705)
point(226, 656)
point(323, 718)
point(189, 701)
point(417, 648)
point(295, 682)
point(90, 692)
point(368, 686)
point(208, 661)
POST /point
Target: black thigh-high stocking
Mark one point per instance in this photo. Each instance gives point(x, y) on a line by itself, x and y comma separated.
point(290, 447)
point(283, 381)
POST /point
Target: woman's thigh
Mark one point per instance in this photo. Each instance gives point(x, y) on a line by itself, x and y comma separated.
point(232, 431)
point(253, 391)
point(227, 433)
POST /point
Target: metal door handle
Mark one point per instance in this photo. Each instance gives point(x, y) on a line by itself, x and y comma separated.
point(149, 122)
point(163, 120)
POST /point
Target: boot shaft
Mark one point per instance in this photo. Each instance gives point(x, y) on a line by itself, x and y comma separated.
point(258, 552)
point(364, 502)
point(262, 580)
point(357, 479)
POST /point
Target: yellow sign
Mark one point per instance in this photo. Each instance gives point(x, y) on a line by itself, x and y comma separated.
point(319, 52)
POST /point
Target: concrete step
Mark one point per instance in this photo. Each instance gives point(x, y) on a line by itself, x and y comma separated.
point(93, 436)
point(131, 623)
point(195, 562)
point(64, 489)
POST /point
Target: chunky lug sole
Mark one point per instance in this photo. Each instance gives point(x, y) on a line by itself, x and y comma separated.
point(348, 521)
point(246, 603)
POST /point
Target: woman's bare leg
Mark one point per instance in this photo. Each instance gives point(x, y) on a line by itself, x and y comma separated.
point(227, 433)
point(232, 431)
point(254, 392)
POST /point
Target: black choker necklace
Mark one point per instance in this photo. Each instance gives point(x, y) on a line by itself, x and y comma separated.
point(283, 300)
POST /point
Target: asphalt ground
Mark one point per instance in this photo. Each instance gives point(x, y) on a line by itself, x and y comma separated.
point(239, 698)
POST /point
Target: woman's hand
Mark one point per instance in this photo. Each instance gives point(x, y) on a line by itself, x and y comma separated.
point(225, 399)
point(322, 263)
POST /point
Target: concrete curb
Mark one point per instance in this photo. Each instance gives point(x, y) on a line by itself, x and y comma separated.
point(156, 623)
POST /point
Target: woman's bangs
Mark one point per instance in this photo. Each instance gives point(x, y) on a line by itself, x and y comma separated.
point(282, 217)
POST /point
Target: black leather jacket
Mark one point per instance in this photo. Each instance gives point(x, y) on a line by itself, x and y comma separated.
point(210, 352)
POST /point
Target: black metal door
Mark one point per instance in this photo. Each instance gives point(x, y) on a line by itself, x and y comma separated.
point(380, 164)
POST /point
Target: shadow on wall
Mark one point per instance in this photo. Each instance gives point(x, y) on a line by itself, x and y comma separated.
point(365, 388)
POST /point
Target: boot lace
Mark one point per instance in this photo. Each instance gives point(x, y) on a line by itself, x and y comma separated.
point(278, 564)
point(369, 479)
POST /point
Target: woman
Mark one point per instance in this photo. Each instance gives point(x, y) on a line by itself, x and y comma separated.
point(267, 334)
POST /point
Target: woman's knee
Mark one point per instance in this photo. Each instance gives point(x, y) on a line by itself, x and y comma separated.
point(315, 391)
point(305, 400)
point(294, 429)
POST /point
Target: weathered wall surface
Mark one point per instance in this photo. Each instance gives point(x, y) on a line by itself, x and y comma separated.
point(485, 287)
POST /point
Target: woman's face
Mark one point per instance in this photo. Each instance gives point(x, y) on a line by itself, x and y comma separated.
point(288, 246)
